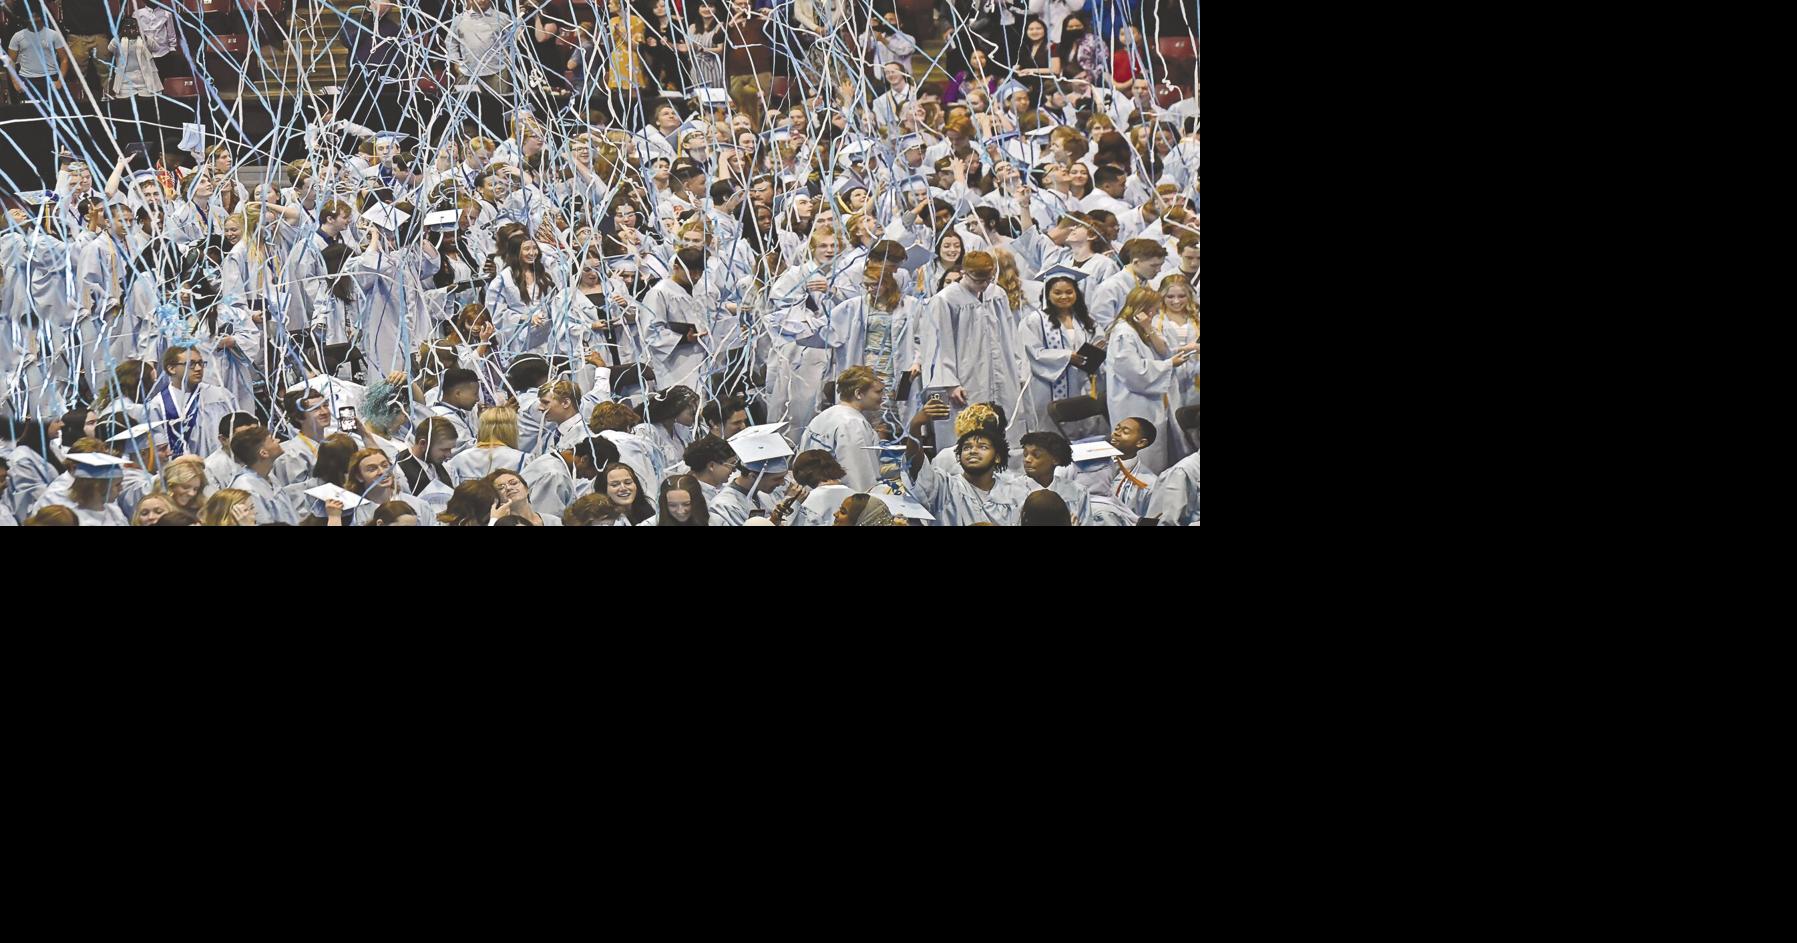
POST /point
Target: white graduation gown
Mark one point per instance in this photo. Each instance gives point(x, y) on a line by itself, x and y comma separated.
point(956, 503)
point(1175, 499)
point(1137, 382)
point(1047, 350)
point(969, 342)
point(845, 433)
point(676, 362)
point(481, 461)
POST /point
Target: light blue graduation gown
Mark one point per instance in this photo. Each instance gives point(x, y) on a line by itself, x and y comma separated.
point(956, 503)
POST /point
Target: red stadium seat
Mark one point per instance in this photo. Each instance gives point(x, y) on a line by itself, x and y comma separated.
point(207, 6)
point(183, 87)
point(1178, 48)
point(236, 46)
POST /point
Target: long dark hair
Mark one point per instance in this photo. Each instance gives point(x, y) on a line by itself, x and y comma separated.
point(640, 509)
point(514, 260)
point(471, 505)
point(1079, 305)
point(33, 435)
point(74, 426)
point(449, 242)
point(700, 516)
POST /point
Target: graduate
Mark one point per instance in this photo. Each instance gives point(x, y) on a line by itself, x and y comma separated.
point(495, 448)
point(309, 413)
point(562, 477)
point(460, 391)
point(673, 415)
point(1146, 257)
point(681, 504)
point(1174, 501)
point(256, 450)
point(967, 338)
point(374, 478)
point(845, 430)
point(92, 495)
point(801, 300)
point(818, 472)
point(1139, 369)
point(747, 495)
point(422, 464)
point(189, 405)
point(1048, 464)
point(979, 494)
point(1050, 338)
point(877, 329)
point(1122, 484)
point(674, 323)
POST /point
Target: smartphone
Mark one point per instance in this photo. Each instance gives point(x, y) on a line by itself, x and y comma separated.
point(346, 419)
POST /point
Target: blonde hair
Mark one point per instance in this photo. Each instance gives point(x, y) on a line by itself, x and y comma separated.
point(1190, 308)
point(219, 508)
point(186, 470)
point(1009, 278)
point(137, 516)
point(1141, 298)
point(975, 416)
point(498, 425)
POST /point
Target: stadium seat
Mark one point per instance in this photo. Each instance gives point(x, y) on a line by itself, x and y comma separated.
point(1079, 417)
point(207, 6)
point(228, 57)
point(1178, 48)
point(182, 87)
point(1188, 419)
point(262, 6)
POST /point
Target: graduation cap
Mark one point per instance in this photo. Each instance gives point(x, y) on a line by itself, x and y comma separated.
point(1095, 450)
point(325, 493)
point(387, 216)
point(137, 437)
point(914, 182)
point(762, 448)
point(440, 220)
point(1045, 130)
point(142, 175)
point(40, 197)
point(908, 142)
point(905, 506)
point(847, 184)
point(709, 95)
point(96, 465)
point(917, 256)
point(390, 217)
point(777, 135)
point(1008, 89)
point(395, 138)
point(193, 137)
point(1061, 271)
point(848, 153)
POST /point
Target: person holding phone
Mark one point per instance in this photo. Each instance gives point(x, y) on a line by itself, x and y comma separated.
point(966, 337)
